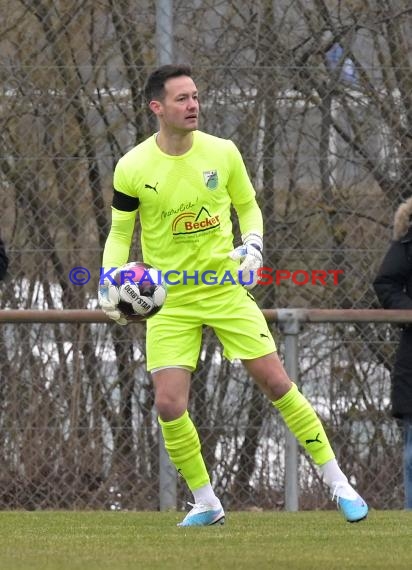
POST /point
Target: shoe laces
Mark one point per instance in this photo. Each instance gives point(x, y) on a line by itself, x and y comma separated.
point(336, 487)
point(201, 507)
point(196, 506)
point(350, 494)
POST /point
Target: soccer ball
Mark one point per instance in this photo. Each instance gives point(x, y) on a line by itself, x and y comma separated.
point(137, 290)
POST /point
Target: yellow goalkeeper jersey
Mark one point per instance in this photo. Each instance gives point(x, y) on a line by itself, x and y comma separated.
point(184, 203)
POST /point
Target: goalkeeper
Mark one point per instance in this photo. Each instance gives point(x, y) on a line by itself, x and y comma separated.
point(183, 182)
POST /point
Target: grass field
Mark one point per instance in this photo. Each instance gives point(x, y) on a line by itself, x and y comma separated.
point(119, 541)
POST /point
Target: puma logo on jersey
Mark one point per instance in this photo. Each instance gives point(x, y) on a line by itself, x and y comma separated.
point(152, 187)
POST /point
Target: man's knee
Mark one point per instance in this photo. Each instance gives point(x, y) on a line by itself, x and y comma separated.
point(171, 392)
point(269, 373)
point(170, 406)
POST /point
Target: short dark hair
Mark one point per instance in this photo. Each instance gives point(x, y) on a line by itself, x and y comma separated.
point(155, 84)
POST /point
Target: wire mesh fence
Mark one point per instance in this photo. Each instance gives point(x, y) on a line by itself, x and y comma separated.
point(78, 428)
point(317, 96)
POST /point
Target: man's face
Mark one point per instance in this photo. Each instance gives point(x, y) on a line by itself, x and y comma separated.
point(178, 111)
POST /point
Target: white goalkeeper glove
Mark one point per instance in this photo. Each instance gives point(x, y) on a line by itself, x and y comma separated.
point(250, 255)
point(107, 304)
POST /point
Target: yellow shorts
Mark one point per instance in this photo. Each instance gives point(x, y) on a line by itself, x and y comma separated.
point(174, 335)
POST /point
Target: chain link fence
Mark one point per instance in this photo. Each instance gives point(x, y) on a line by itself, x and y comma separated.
point(78, 428)
point(317, 95)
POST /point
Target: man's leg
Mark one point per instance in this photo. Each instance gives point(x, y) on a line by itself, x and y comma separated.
point(303, 422)
point(249, 338)
point(182, 444)
point(407, 461)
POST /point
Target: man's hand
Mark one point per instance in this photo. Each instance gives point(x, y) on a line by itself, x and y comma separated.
point(108, 306)
point(250, 255)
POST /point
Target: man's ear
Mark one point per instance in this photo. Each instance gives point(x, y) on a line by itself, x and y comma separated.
point(155, 107)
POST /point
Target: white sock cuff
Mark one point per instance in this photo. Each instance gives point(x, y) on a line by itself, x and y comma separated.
point(332, 473)
point(206, 496)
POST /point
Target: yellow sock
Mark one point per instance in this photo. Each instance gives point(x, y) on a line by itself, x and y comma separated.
point(303, 422)
point(183, 446)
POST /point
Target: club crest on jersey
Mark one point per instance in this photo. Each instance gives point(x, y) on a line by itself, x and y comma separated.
point(211, 179)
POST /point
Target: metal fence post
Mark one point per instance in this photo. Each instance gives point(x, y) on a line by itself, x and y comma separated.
point(164, 46)
point(289, 324)
point(167, 479)
point(164, 31)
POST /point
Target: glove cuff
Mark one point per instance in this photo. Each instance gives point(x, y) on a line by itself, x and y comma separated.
point(254, 239)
